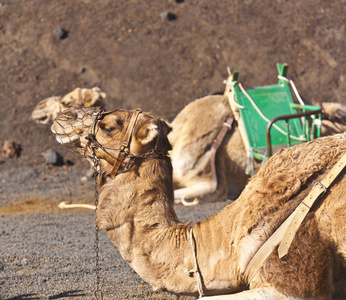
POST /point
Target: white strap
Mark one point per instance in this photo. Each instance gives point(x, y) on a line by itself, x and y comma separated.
point(292, 223)
point(305, 206)
point(290, 81)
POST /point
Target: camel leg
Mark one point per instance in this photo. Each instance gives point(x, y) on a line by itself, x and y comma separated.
point(201, 191)
point(195, 191)
point(255, 294)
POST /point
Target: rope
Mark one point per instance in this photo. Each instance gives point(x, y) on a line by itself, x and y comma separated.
point(290, 81)
point(265, 118)
point(231, 84)
point(63, 205)
point(195, 270)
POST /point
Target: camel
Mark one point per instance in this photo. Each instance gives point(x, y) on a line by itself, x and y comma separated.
point(136, 208)
point(194, 130)
point(46, 110)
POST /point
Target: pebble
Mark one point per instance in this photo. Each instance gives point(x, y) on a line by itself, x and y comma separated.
point(52, 157)
point(168, 16)
point(60, 33)
point(10, 149)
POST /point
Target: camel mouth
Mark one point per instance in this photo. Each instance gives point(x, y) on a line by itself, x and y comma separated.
point(43, 120)
point(40, 118)
point(66, 139)
point(72, 125)
point(63, 135)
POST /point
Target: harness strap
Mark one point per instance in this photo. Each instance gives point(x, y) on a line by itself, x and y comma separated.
point(196, 269)
point(286, 232)
point(126, 143)
point(227, 125)
point(305, 206)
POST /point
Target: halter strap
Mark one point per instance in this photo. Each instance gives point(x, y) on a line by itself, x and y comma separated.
point(123, 150)
point(126, 143)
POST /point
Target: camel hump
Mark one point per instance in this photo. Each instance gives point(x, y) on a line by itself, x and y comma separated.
point(285, 173)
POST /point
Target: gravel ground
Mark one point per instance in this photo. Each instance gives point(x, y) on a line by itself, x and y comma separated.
point(48, 253)
point(52, 256)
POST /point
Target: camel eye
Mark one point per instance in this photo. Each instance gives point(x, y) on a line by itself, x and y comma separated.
point(106, 128)
point(111, 126)
point(120, 122)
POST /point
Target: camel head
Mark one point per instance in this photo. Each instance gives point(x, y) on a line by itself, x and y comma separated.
point(84, 97)
point(333, 118)
point(334, 111)
point(107, 134)
point(47, 109)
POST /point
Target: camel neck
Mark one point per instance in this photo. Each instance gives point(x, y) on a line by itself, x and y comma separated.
point(144, 227)
point(137, 210)
point(162, 255)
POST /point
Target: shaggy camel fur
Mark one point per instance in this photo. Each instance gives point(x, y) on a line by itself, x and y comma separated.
point(47, 109)
point(136, 208)
point(194, 130)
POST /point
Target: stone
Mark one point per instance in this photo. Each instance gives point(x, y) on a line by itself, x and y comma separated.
point(10, 149)
point(168, 16)
point(52, 157)
point(60, 33)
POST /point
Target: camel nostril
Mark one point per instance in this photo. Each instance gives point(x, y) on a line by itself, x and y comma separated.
point(72, 115)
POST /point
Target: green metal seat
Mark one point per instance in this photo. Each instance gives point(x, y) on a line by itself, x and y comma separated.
point(268, 117)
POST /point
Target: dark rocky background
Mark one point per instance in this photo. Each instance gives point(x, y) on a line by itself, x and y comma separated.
point(142, 58)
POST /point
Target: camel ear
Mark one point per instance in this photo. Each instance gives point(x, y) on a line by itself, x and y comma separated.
point(71, 99)
point(103, 95)
point(151, 135)
point(147, 133)
point(163, 144)
point(87, 97)
point(93, 97)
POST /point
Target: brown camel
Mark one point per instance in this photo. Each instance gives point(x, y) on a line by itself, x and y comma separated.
point(194, 130)
point(47, 109)
point(136, 208)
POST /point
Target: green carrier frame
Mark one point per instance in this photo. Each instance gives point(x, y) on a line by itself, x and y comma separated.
point(269, 118)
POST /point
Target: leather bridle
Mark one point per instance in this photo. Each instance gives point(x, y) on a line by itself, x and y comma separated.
point(123, 150)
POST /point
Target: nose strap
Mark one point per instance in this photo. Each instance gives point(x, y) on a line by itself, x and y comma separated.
point(126, 143)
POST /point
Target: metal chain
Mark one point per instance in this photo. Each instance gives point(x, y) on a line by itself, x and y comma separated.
point(94, 144)
point(97, 293)
point(65, 162)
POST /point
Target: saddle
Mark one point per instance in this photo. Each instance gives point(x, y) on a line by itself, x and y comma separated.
point(269, 118)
